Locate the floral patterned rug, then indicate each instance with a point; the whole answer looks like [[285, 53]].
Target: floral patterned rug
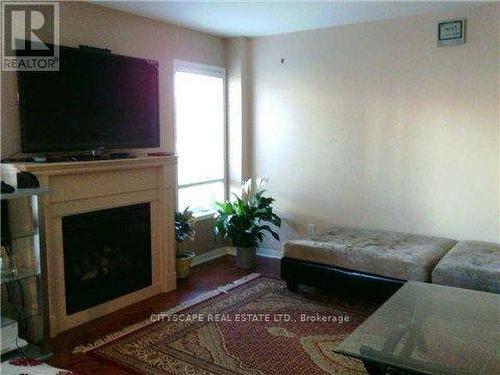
[[250, 327]]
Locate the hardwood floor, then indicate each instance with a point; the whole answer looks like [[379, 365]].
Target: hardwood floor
[[204, 277]]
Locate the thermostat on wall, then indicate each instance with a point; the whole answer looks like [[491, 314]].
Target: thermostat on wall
[[451, 33]]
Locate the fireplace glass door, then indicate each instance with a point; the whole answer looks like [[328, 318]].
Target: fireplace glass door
[[107, 254]]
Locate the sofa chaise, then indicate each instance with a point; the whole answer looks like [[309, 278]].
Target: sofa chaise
[[470, 265], [382, 261]]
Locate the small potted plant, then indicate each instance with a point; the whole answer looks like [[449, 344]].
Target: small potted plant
[[184, 229], [245, 220]]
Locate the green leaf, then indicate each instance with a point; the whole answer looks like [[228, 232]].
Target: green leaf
[[240, 219]]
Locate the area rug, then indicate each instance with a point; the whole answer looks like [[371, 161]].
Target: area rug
[[253, 326]]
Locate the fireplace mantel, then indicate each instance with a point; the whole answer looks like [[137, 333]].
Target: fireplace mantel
[[79, 187]]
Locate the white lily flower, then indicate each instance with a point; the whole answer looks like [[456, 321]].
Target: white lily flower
[[246, 189], [261, 183]]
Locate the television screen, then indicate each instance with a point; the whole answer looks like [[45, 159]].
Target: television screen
[[95, 100]]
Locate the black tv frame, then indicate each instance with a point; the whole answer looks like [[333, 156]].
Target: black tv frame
[[72, 148]]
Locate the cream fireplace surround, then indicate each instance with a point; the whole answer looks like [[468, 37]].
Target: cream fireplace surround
[[79, 187]]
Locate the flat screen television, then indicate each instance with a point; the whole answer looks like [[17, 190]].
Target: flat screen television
[[95, 100]]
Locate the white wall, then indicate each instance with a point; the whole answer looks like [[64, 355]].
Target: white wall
[[83, 23], [238, 116], [372, 125]]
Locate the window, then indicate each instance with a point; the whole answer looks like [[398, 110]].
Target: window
[[200, 136]]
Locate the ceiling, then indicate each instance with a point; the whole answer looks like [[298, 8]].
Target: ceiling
[[253, 18]]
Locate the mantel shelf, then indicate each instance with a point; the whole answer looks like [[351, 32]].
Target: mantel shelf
[[65, 167]]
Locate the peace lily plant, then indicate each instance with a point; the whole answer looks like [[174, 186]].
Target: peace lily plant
[[245, 220]]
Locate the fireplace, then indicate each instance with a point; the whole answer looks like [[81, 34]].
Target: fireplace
[[76, 188], [107, 254]]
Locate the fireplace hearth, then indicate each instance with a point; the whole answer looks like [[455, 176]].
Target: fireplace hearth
[[107, 254]]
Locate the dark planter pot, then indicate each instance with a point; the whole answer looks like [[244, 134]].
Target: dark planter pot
[[245, 257]]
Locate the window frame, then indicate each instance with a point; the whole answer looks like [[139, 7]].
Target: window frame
[[212, 71]]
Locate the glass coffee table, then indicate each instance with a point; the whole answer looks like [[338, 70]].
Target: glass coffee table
[[430, 329]]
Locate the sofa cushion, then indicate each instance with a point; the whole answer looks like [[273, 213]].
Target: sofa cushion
[[470, 265], [392, 254]]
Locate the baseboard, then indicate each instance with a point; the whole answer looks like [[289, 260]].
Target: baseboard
[[261, 251], [269, 253], [222, 251], [209, 255]]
